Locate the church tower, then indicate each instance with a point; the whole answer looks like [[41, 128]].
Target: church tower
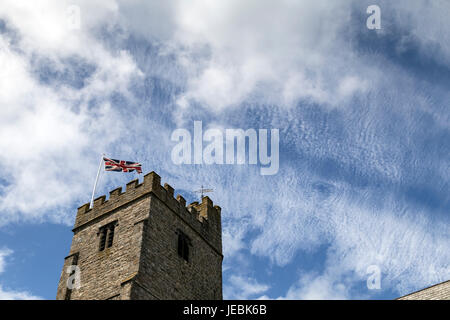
[[144, 244]]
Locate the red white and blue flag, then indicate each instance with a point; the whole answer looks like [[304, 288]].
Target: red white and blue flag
[[122, 165]]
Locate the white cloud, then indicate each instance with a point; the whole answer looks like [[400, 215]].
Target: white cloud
[[427, 23], [44, 26], [350, 85], [240, 287], [51, 134], [233, 235], [265, 47], [322, 287], [402, 241], [6, 294], [4, 252]]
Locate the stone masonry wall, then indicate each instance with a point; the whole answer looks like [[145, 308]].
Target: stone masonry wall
[[439, 291], [170, 276], [102, 272]]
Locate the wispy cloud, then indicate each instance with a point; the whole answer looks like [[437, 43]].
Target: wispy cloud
[[241, 287], [320, 287], [4, 252]]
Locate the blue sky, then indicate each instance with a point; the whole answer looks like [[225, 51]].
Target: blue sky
[[363, 117]]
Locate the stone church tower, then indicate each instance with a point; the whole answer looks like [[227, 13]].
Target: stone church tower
[[144, 244]]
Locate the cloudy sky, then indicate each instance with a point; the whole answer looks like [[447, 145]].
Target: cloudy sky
[[363, 117]]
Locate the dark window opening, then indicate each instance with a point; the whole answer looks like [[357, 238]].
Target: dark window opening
[[111, 235], [107, 236], [183, 246], [103, 233], [68, 294]]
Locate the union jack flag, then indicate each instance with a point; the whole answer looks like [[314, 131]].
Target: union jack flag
[[122, 165]]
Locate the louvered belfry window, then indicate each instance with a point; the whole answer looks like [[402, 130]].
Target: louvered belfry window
[[107, 235]]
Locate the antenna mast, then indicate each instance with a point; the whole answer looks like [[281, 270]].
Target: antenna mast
[[202, 191]]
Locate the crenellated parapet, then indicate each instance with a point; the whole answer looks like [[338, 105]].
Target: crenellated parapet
[[204, 217]]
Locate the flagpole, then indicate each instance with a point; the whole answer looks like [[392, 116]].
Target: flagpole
[[96, 180]]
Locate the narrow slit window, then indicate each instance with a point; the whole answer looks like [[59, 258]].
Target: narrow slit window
[[183, 246]]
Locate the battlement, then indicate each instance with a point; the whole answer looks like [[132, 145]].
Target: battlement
[[204, 217]]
